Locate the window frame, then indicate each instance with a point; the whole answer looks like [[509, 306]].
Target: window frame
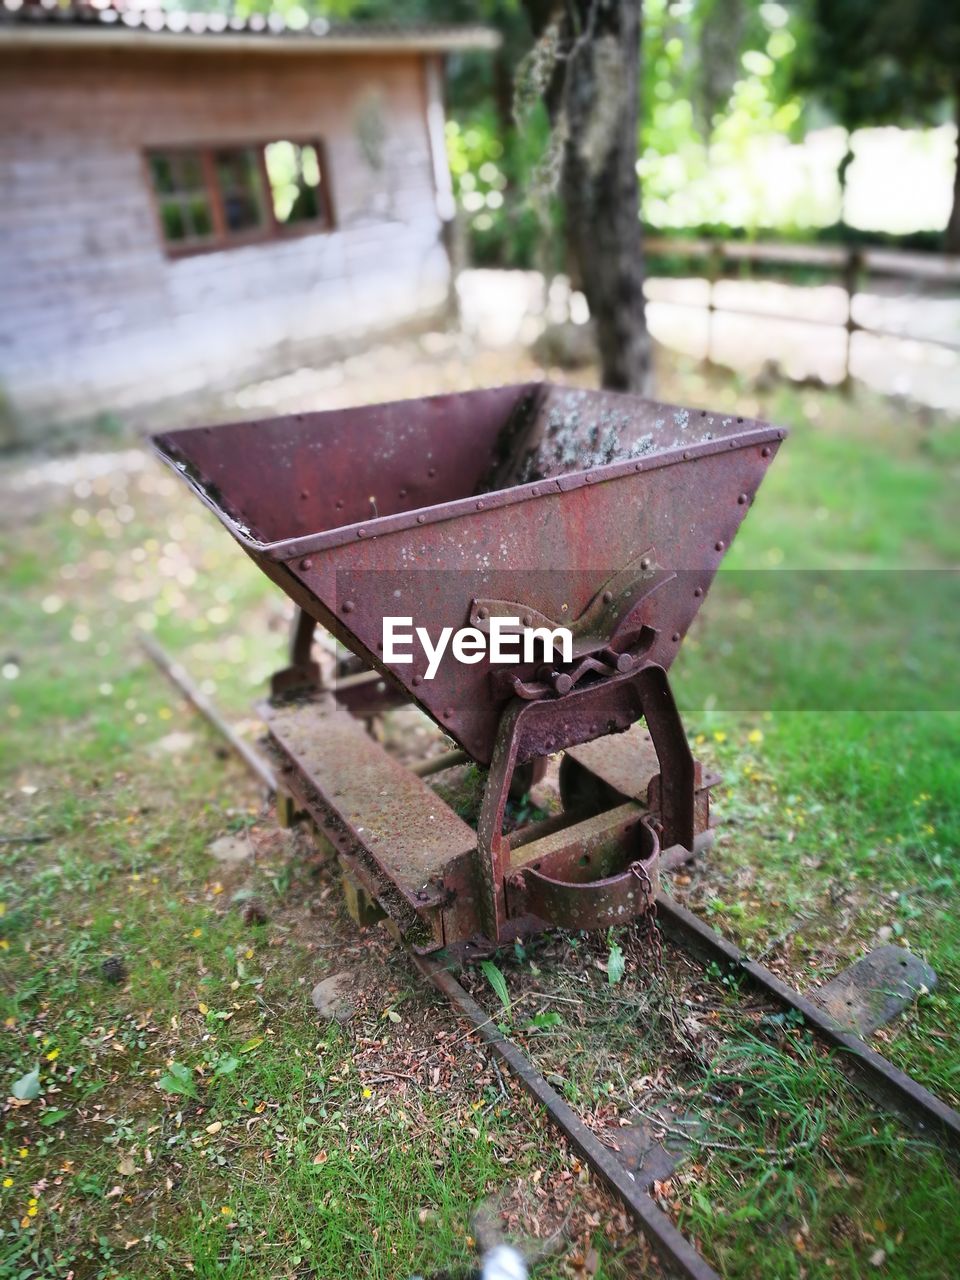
[[272, 231]]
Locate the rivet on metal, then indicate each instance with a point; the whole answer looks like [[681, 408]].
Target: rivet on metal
[[675, 637], [361, 532], [588, 479], [421, 519], [431, 472], [304, 493], [686, 454], [479, 506], [402, 493], [718, 546], [765, 451], [607, 597], [306, 564], [527, 620], [416, 679], [698, 591], [534, 491], [348, 606], [645, 562], [481, 614], [742, 500], [638, 467]]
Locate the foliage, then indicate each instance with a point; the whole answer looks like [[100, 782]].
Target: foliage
[[499, 983], [879, 61], [883, 61], [27, 1088], [715, 90], [616, 964], [491, 172], [179, 1079], [704, 124]]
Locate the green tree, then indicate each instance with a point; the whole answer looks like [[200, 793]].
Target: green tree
[[715, 79], [871, 62]]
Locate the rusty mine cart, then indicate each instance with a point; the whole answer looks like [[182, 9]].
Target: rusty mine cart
[[603, 513]]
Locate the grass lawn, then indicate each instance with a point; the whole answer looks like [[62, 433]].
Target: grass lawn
[[194, 1114]]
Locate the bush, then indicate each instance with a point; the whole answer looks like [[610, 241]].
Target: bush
[[494, 180]]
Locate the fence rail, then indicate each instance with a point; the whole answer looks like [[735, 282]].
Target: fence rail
[[851, 263], [863, 260]]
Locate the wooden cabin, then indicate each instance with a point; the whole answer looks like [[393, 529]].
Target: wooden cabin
[[191, 202]]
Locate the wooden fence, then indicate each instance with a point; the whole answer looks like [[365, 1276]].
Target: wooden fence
[[852, 264]]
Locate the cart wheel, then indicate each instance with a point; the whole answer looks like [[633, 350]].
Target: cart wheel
[[582, 791], [525, 777]]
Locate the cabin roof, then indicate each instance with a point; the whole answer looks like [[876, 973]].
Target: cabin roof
[[145, 24]]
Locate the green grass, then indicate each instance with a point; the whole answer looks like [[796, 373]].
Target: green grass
[[839, 821], [333, 1151], [842, 789], [788, 1171], [803, 1181]]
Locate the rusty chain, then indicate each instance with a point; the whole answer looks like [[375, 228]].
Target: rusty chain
[[644, 931]]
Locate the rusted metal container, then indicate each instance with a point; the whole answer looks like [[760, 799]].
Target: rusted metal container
[[603, 513]]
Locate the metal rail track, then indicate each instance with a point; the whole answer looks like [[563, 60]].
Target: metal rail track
[[879, 1079], [868, 1071], [670, 1244]]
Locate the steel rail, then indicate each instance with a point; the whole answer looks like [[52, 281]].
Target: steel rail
[[671, 1245], [176, 674], [874, 1075], [868, 1071], [879, 1079]]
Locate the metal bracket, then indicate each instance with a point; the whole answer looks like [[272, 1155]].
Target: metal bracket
[[530, 730], [303, 673], [580, 903]]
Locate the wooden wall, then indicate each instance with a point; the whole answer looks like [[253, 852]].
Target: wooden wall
[[96, 317]]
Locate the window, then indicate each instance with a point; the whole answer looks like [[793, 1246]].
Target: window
[[182, 197], [293, 170], [238, 179], [210, 198]]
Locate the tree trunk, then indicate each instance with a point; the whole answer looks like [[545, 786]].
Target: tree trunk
[[951, 237], [843, 169], [594, 97]]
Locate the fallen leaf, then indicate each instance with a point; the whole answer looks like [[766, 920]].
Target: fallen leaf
[[28, 1087]]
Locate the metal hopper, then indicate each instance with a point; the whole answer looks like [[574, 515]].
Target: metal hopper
[[600, 512]]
